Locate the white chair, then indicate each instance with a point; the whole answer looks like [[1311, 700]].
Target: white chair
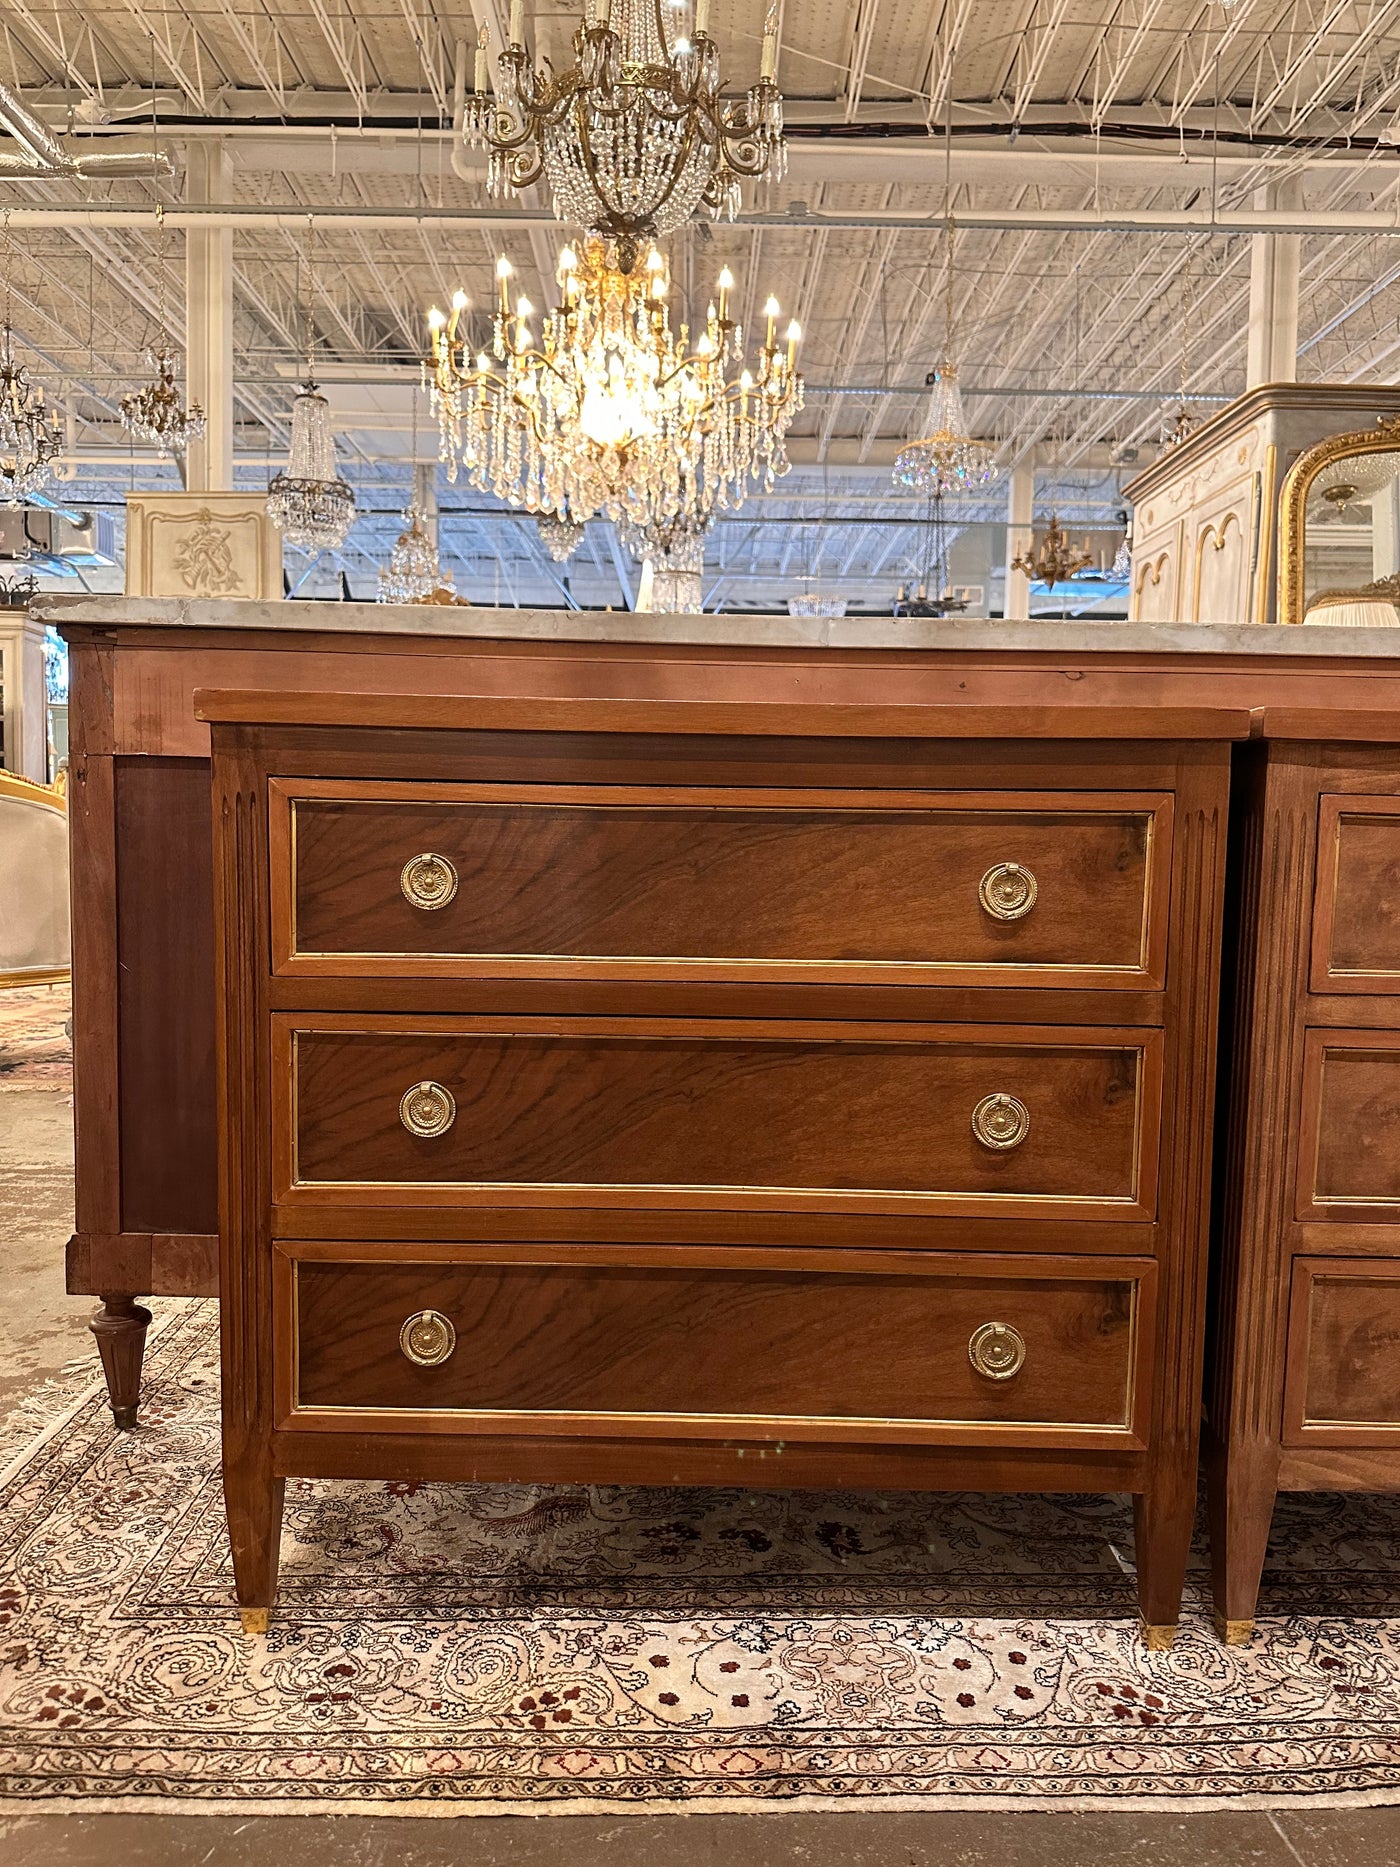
[[33, 882]]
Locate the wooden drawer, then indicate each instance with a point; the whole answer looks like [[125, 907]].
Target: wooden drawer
[[651, 1112], [1356, 917], [671, 1341], [630, 882], [1343, 1382], [1349, 1160]]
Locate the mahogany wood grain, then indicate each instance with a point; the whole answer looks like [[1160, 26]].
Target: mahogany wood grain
[[1344, 1349], [1356, 920], [430, 712], [165, 947], [778, 1349], [1349, 1160], [652, 1112], [646, 882]]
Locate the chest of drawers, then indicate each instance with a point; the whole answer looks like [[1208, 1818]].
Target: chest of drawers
[[1305, 1371], [622, 1092]]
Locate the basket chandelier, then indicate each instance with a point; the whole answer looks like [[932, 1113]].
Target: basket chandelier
[[308, 502], [610, 411], [945, 458], [413, 571], [633, 138]]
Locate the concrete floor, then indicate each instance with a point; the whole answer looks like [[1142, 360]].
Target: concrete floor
[[41, 1329]]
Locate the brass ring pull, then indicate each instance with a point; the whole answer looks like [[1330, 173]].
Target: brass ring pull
[[997, 1351], [427, 1110], [1001, 1121], [1008, 891], [428, 881], [427, 1338]]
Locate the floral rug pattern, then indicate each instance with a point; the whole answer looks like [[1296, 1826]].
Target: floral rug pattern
[[466, 1648]]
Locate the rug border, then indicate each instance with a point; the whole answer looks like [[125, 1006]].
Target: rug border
[[1274, 1802]]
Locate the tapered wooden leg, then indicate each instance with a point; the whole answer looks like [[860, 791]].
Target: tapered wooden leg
[[1241, 1485], [120, 1328], [253, 1494], [1163, 1518]]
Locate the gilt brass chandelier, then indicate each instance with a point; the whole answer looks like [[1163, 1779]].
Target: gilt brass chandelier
[[412, 572], [945, 458], [30, 436], [156, 414], [1054, 560], [609, 410], [633, 138], [308, 502]]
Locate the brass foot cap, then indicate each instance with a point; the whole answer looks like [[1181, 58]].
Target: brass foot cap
[[254, 1619], [1159, 1639], [1234, 1633], [124, 1418]]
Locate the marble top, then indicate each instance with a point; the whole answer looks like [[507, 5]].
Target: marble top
[[779, 631]]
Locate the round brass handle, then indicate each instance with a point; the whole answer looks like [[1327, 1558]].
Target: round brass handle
[[1008, 891], [427, 1338], [997, 1351], [427, 1109], [428, 881], [1001, 1121]]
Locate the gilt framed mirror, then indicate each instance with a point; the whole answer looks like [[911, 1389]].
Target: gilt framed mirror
[[1339, 556]]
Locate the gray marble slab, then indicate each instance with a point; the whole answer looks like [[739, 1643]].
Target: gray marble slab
[[562, 625]]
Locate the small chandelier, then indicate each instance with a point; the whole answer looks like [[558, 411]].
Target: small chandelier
[[946, 459], [610, 412], [934, 595], [155, 413], [633, 139], [30, 437], [560, 537], [412, 572], [1055, 560], [309, 503]]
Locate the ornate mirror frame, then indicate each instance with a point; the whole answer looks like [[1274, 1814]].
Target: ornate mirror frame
[[1382, 439]]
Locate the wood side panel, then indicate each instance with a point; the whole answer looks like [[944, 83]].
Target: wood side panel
[[1356, 921], [165, 944], [646, 882], [92, 842], [1349, 1161], [777, 1349], [1344, 1349], [650, 1112]]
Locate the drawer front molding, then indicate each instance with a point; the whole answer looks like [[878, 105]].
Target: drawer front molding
[[1349, 1160], [373, 879], [1342, 1385], [957, 1119], [712, 1343], [1356, 913]]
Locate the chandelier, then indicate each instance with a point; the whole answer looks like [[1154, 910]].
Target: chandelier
[[156, 414], [610, 411], [30, 437], [816, 603], [309, 503], [934, 595], [633, 138], [946, 459], [560, 537], [412, 572], [1055, 560]]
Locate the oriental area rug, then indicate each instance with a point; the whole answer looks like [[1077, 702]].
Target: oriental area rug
[[460, 1649]]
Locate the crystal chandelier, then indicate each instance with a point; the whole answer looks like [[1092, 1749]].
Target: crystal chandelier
[[610, 412], [30, 437], [946, 459], [309, 503], [633, 138], [156, 414], [560, 537], [1055, 560], [412, 572], [815, 603]]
